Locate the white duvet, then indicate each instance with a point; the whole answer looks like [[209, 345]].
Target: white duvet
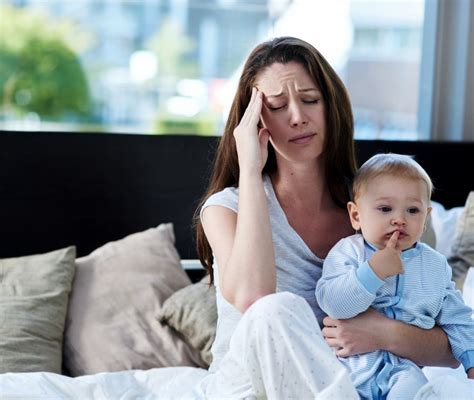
[[183, 382], [175, 383], [158, 383]]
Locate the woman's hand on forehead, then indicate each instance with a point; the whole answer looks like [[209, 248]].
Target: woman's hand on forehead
[[251, 141]]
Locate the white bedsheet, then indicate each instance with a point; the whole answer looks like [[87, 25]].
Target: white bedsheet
[[182, 382], [174, 383], [158, 383]]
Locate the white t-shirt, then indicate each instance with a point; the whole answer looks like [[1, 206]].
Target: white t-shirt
[[298, 268]]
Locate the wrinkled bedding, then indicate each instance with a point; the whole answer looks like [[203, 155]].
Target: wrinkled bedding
[[158, 383], [176, 383], [183, 382]]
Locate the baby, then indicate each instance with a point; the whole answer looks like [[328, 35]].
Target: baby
[[386, 267]]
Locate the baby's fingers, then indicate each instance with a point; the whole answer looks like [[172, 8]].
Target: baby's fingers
[[392, 242]]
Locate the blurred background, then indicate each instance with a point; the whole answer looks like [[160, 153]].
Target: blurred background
[[171, 66]]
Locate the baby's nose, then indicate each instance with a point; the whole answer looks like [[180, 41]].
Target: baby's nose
[[398, 221]]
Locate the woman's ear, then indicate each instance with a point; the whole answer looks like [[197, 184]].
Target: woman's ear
[[353, 215]]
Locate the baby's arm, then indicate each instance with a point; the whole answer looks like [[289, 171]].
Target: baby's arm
[[455, 319], [347, 286]]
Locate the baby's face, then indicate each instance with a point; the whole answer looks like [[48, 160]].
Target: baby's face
[[388, 204]]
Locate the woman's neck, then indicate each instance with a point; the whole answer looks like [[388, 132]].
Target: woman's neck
[[302, 186]]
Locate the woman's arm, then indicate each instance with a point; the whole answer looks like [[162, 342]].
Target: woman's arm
[[242, 244], [371, 331]]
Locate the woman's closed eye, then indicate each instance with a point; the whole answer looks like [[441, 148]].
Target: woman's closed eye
[[311, 101], [276, 108]]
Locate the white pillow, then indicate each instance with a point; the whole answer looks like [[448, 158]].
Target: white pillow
[[444, 224], [468, 289]]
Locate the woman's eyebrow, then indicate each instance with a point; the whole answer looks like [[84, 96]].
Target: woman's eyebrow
[[303, 90], [275, 95], [312, 89]]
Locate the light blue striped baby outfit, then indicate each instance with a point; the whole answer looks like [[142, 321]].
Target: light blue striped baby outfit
[[423, 295]]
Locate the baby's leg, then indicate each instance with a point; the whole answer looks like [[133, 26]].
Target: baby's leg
[[277, 352], [405, 383]]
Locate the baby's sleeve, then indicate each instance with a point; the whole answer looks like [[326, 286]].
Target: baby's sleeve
[[348, 284]]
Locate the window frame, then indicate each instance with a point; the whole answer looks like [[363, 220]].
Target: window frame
[[446, 98]]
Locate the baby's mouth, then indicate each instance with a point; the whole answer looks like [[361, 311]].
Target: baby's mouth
[[402, 234]]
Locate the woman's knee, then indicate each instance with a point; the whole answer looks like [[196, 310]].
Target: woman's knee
[[277, 305]]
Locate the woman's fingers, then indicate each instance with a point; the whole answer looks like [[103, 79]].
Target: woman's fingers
[[329, 332], [254, 109], [342, 352], [332, 342], [252, 142], [328, 321], [333, 339], [246, 116], [257, 107]]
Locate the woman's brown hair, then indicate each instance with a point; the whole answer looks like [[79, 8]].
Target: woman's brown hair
[[339, 154]]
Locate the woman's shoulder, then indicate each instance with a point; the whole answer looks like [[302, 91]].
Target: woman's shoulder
[[228, 197]]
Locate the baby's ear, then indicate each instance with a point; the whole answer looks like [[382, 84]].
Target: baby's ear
[[428, 212], [353, 215]]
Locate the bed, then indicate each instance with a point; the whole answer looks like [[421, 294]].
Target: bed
[[100, 283]]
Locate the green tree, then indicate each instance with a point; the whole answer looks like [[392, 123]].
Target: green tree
[[171, 47], [40, 71]]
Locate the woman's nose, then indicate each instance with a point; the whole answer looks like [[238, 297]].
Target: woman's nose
[[297, 116]]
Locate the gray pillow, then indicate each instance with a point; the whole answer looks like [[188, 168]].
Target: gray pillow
[[34, 293], [118, 289], [192, 312], [462, 251]]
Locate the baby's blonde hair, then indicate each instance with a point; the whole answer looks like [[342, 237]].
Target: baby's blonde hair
[[392, 164]]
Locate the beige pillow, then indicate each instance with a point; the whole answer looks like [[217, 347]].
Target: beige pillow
[[117, 291], [34, 293], [462, 251], [192, 312]]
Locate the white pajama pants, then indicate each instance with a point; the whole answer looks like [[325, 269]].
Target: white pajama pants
[[278, 352]]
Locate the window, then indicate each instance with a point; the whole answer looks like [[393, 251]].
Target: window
[[171, 66]]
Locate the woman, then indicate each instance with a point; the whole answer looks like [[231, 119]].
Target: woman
[[274, 208]]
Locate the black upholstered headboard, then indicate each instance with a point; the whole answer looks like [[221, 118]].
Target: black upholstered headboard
[[58, 189]]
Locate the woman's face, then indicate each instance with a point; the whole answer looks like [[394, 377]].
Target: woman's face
[[293, 111]]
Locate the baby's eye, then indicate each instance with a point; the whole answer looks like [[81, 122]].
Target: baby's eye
[[384, 209], [413, 210]]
